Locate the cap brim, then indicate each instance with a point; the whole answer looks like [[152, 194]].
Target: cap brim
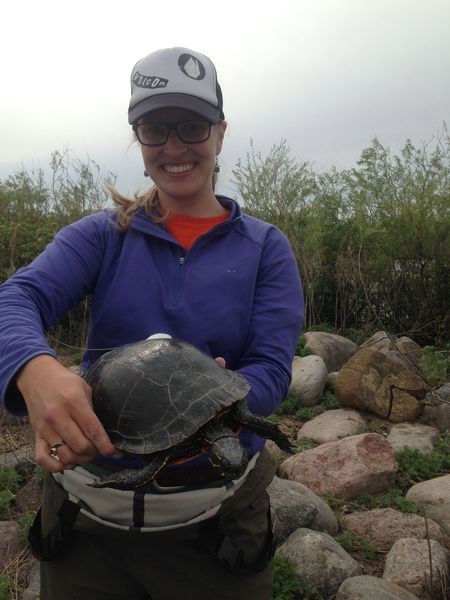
[[200, 107]]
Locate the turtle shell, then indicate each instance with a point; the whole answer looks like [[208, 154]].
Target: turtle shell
[[154, 394]]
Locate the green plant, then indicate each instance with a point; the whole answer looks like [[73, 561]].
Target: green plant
[[25, 522], [393, 498], [5, 587], [302, 348], [9, 479], [6, 497], [414, 466], [352, 542], [327, 402], [435, 366], [286, 585], [289, 406], [305, 444]]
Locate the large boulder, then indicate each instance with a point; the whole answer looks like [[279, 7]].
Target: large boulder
[[333, 425], [371, 381], [319, 560], [366, 587], [408, 565], [294, 505], [309, 378], [415, 436], [433, 497], [347, 468], [385, 526], [402, 349], [334, 349]]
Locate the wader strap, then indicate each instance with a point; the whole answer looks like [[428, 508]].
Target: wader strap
[[44, 548]]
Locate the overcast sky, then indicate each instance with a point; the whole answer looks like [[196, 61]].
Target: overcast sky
[[326, 75]]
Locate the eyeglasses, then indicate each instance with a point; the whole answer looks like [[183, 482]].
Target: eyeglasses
[[194, 131]]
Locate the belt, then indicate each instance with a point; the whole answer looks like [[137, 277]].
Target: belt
[[189, 477], [167, 477]]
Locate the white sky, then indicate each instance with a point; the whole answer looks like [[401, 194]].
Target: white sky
[[326, 75]]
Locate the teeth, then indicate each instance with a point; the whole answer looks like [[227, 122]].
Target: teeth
[[178, 168]]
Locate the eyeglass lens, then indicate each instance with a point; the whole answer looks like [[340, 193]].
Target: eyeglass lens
[[189, 132]]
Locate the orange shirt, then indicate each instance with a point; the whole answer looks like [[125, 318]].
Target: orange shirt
[[187, 229]]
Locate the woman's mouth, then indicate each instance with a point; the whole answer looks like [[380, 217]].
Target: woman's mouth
[[178, 168]]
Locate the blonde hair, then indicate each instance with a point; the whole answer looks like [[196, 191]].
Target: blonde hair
[[148, 200]]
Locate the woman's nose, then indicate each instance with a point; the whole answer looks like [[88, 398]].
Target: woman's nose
[[174, 145]]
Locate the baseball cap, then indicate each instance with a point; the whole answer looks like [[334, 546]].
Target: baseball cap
[[175, 78]]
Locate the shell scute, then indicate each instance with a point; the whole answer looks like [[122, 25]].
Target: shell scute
[[155, 394]]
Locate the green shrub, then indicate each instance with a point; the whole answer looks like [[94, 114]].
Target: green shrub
[[9, 479], [435, 366], [286, 585], [414, 466], [354, 543], [5, 587], [6, 497]]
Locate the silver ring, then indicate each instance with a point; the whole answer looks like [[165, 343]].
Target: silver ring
[[54, 450]]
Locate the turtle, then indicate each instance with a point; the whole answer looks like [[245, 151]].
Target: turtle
[[164, 400]]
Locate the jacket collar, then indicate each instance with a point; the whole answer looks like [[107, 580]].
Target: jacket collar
[[141, 222]]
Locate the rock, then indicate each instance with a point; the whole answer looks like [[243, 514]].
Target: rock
[[9, 542], [17, 457], [443, 417], [433, 496], [413, 435], [334, 349], [384, 526], [440, 395], [402, 349], [294, 506], [360, 463], [332, 425], [373, 382], [408, 565], [365, 587], [33, 590], [309, 377], [319, 560]]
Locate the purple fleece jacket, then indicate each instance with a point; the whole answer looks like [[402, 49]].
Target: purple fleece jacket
[[236, 293]]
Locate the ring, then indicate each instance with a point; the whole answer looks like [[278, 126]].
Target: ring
[[53, 450]]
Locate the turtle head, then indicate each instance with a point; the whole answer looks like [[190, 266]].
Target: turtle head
[[227, 455]]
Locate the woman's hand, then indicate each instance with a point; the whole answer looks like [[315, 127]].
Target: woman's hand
[[60, 410]]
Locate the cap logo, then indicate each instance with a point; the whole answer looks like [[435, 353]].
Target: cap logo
[[149, 81], [191, 66]]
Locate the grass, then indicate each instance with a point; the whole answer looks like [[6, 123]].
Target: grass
[[355, 544], [414, 466], [435, 365], [286, 582], [290, 406]]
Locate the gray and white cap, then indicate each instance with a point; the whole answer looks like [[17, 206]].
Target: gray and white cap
[[175, 78]]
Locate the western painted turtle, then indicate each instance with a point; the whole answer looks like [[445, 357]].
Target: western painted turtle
[[163, 399]]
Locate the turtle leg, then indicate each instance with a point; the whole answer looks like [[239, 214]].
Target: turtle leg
[[260, 425], [129, 479]]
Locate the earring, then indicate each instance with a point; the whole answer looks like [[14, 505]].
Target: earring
[[216, 165], [145, 174]]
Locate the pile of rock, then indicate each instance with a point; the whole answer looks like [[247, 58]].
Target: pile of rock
[[380, 378]]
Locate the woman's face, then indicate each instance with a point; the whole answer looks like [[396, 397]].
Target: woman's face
[[182, 172]]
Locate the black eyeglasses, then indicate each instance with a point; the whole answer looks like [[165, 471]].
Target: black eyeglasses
[[193, 131]]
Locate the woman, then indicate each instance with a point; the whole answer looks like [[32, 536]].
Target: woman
[[178, 260]]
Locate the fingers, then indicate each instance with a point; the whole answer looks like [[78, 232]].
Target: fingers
[[220, 361], [60, 409]]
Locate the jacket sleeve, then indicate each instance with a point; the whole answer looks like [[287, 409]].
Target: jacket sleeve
[[275, 326], [33, 299]]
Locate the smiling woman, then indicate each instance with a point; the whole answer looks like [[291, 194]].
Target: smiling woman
[[177, 259]]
